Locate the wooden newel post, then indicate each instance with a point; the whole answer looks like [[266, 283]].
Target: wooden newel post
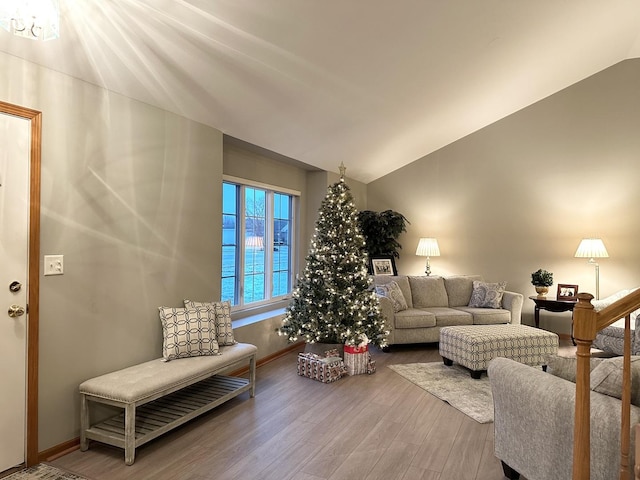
[[584, 332]]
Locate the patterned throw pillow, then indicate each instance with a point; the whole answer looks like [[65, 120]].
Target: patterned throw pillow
[[607, 379], [220, 314], [392, 291], [487, 295], [187, 333], [565, 367]]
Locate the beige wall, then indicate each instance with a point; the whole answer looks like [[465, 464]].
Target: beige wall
[[520, 194], [131, 198]]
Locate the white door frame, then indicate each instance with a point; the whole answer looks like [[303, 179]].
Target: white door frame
[[33, 287]]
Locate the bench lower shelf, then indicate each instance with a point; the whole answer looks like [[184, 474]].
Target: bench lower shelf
[[165, 413]]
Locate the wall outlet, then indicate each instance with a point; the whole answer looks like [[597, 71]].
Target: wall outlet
[[54, 264]]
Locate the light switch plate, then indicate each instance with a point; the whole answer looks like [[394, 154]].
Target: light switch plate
[[54, 264]]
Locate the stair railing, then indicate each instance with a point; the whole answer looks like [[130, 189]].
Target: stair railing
[[586, 324]]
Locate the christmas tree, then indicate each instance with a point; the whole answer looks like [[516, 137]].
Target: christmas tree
[[332, 301]]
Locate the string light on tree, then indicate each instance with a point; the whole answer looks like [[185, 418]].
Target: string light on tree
[[332, 301]]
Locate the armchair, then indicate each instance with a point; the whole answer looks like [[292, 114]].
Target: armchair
[[534, 417], [611, 338]]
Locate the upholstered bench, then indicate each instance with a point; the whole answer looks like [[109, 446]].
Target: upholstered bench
[[474, 346], [158, 396]]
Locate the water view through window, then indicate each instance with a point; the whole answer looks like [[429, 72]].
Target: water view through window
[[257, 248]]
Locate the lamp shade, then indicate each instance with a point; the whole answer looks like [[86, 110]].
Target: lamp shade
[[591, 248], [428, 247]]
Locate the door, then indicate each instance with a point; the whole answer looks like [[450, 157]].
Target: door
[[19, 252]]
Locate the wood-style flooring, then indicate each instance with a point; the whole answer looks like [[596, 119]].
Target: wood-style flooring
[[378, 426]]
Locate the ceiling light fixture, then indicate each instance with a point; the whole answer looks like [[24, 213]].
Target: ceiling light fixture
[[34, 19]]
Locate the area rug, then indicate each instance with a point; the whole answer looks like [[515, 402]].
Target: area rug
[[453, 385], [42, 471]]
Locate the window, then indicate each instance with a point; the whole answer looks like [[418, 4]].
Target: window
[[258, 247]]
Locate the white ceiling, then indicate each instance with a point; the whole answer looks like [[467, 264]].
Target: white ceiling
[[375, 84]]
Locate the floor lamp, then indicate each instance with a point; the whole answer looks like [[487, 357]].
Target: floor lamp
[[428, 247], [593, 248]]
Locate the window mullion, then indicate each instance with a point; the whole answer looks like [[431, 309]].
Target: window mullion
[[241, 245], [268, 246]]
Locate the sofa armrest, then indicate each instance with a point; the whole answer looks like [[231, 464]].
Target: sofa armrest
[[534, 417], [386, 309], [513, 301]]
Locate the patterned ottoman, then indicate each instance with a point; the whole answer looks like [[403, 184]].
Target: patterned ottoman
[[473, 346]]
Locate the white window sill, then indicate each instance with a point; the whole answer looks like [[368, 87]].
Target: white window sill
[[257, 317]]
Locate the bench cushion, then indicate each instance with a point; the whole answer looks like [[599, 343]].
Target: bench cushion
[[136, 383]]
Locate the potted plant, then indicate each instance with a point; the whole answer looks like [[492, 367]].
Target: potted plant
[[542, 280], [381, 231]]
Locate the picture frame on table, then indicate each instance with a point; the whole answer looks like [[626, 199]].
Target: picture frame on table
[[567, 292], [383, 265]]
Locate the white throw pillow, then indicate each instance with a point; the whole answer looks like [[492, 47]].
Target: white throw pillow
[[487, 295], [220, 313], [187, 333], [393, 292]]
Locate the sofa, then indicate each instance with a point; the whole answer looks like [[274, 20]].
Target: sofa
[[611, 339], [415, 308], [534, 417]]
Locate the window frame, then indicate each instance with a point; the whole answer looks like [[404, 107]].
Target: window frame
[[270, 190]]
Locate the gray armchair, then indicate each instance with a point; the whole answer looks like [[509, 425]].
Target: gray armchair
[[534, 417], [611, 338]]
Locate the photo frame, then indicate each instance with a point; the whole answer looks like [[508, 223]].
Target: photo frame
[[567, 292], [383, 265]]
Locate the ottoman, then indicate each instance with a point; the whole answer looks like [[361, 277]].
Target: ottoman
[[474, 346]]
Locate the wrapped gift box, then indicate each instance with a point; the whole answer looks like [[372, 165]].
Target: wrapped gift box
[[358, 360], [324, 369]]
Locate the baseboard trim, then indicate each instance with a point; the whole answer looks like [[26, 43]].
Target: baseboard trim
[[58, 451], [69, 446]]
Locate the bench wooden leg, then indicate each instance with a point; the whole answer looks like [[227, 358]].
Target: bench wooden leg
[[84, 422], [129, 434], [252, 375]]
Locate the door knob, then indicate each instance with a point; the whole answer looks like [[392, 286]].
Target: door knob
[[16, 311]]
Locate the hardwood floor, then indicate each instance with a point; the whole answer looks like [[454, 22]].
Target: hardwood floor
[[362, 427]]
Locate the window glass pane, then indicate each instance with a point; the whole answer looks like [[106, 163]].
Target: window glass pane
[[228, 289], [254, 244], [229, 198], [281, 279], [253, 288], [229, 241]]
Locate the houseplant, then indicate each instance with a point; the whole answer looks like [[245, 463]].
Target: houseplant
[[542, 280], [381, 231]]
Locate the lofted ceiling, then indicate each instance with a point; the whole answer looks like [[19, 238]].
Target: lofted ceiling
[[375, 84]]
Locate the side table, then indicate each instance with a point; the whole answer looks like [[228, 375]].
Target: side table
[[552, 304]]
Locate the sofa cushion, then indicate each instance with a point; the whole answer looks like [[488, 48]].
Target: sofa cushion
[[392, 291], [487, 316], [487, 295], [447, 317], [459, 288], [414, 318], [565, 367], [428, 291], [401, 280], [606, 378]]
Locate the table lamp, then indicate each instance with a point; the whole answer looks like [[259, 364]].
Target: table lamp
[[428, 247], [592, 248]]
